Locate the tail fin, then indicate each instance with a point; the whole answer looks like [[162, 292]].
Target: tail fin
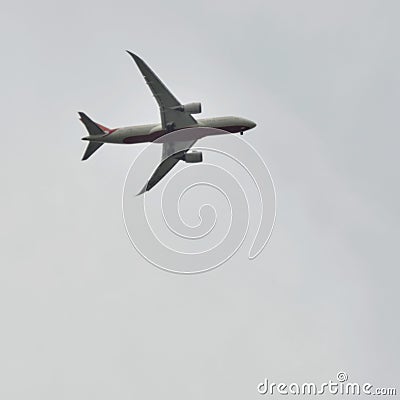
[[94, 130]]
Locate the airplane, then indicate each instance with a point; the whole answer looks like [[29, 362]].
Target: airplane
[[175, 117]]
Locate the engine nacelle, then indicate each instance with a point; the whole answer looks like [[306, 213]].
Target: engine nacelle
[[190, 108], [193, 157]]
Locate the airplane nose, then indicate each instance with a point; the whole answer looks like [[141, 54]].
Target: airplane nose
[[252, 124]]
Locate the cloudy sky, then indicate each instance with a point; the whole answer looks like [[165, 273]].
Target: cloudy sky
[[83, 316]]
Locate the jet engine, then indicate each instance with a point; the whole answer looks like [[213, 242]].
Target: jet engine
[[190, 108], [193, 157]]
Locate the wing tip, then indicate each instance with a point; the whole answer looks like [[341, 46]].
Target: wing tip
[[133, 55], [144, 190]]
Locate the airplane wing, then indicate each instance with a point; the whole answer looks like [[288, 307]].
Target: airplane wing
[[171, 118], [172, 153], [176, 147]]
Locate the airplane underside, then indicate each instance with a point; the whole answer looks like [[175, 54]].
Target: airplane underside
[[178, 130], [158, 136]]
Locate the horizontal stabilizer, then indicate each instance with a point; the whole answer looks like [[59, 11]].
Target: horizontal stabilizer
[[90, 149]]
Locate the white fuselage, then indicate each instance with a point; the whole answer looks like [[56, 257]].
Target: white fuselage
[[152, 132]]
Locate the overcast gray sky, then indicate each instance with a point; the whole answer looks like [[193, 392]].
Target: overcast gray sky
[[83, 316]]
